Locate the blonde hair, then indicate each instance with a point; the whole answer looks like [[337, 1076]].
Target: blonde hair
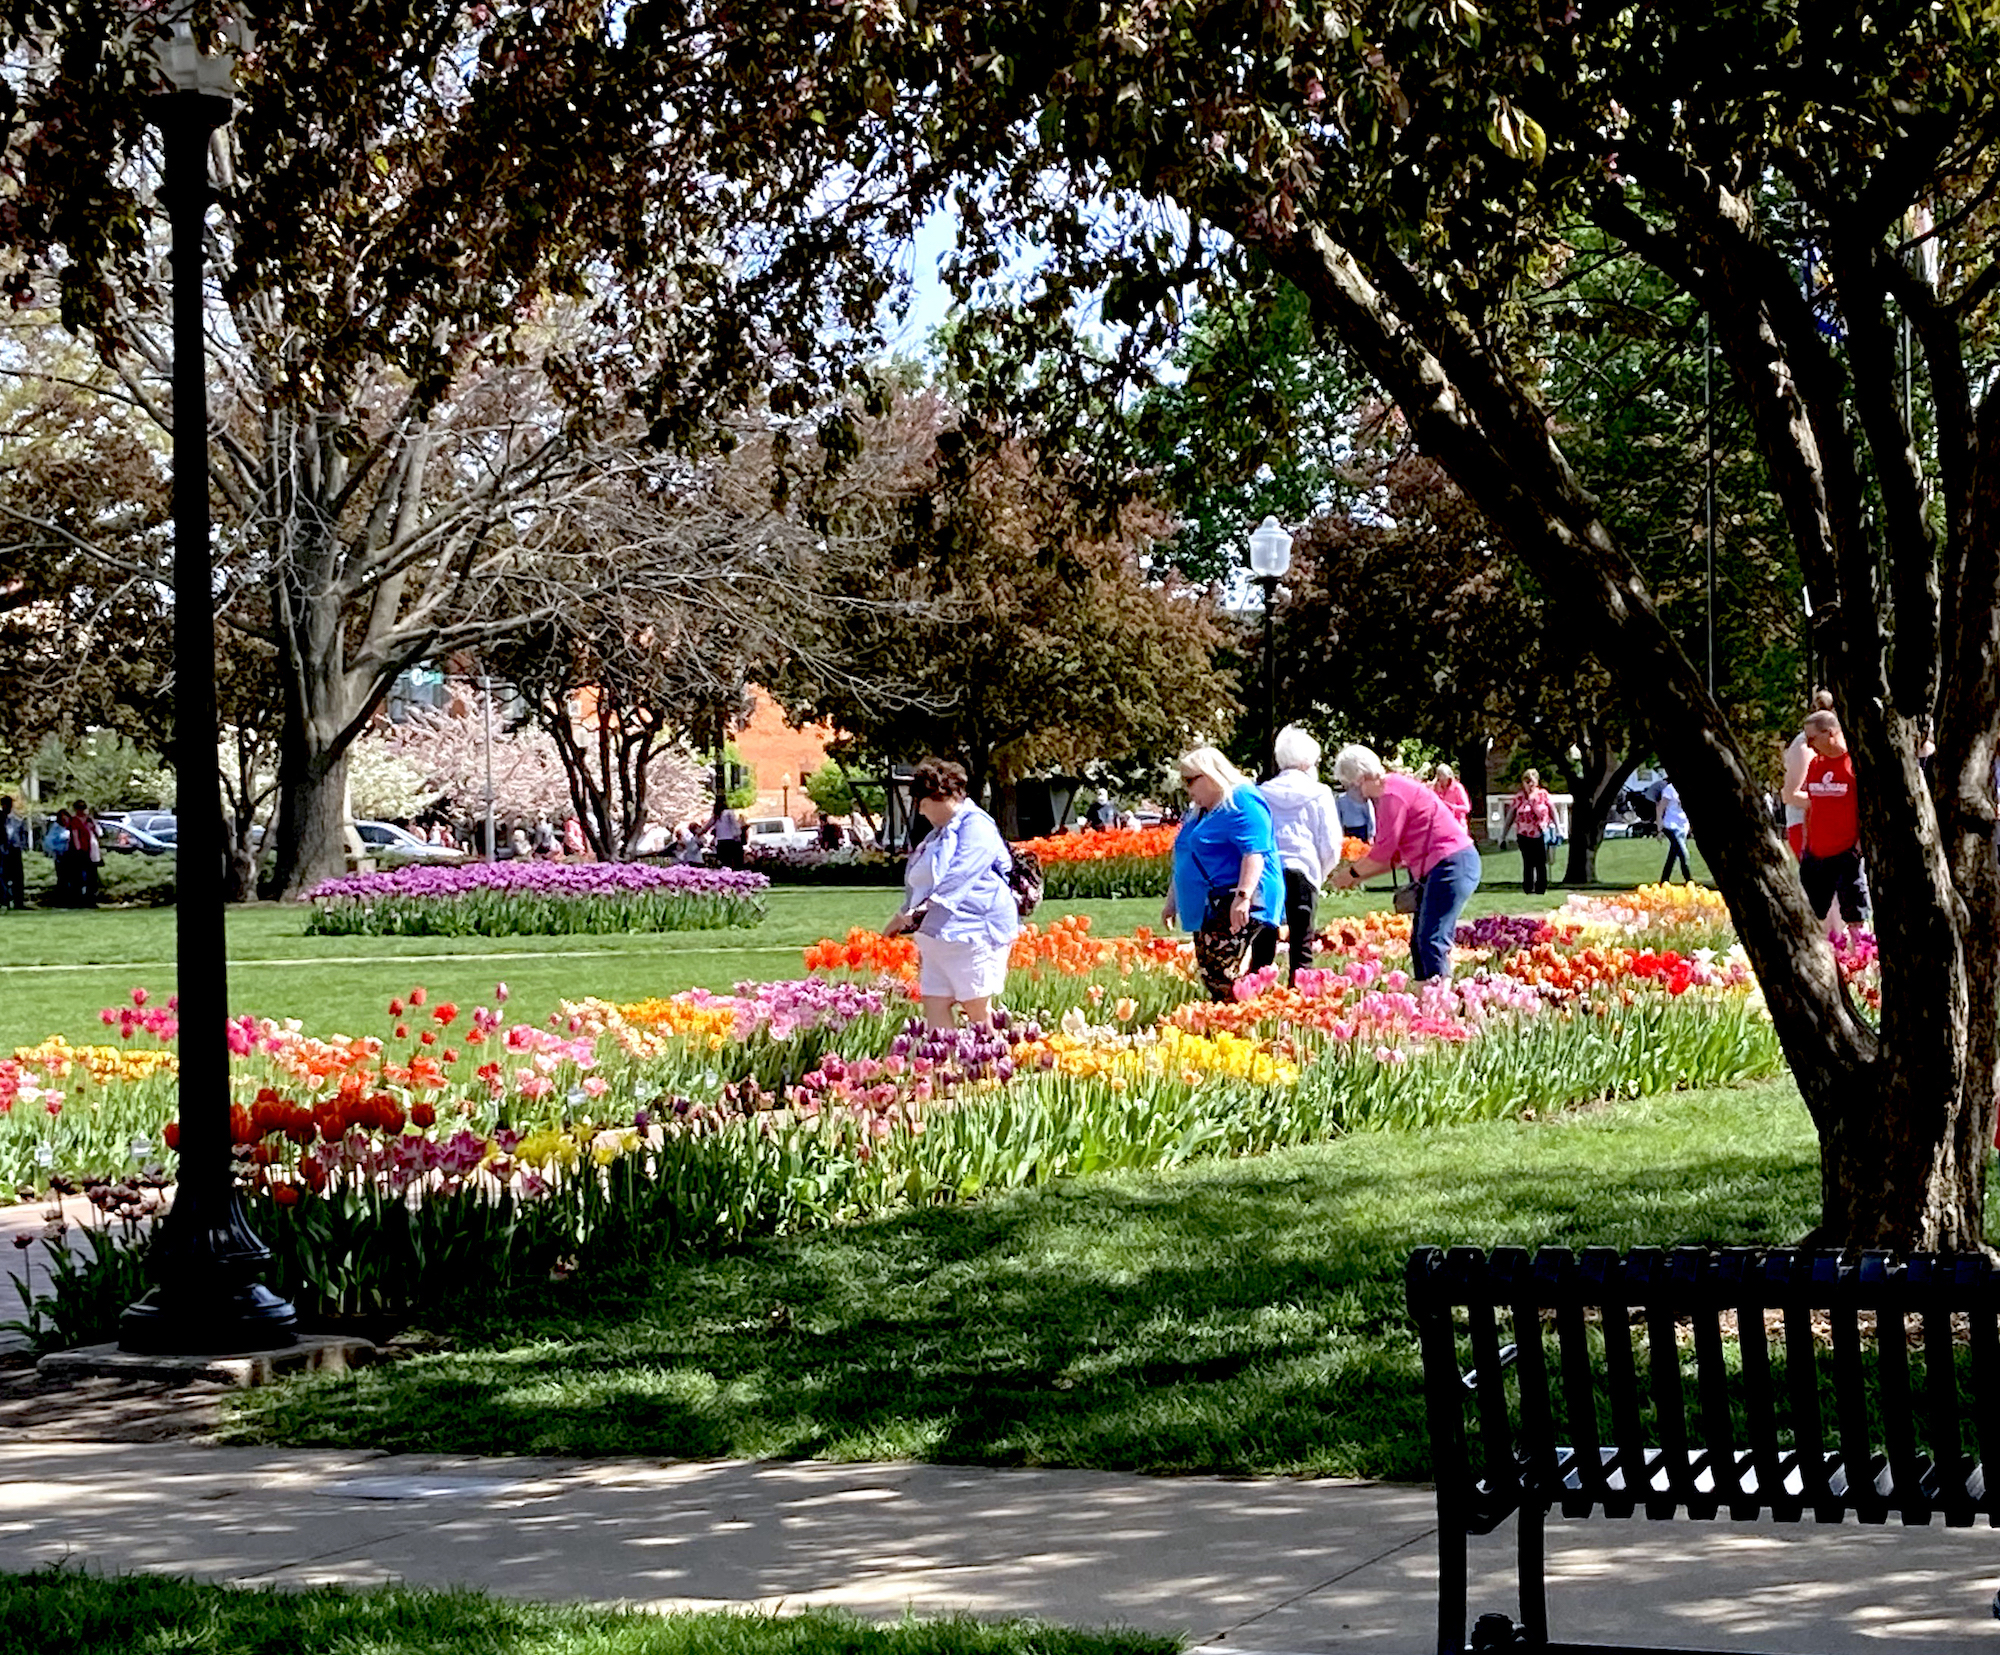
[[1209, 762], [1355, 764]]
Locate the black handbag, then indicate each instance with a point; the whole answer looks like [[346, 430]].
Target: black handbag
[[1408, 898]]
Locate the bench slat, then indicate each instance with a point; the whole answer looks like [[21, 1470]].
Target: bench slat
[[1931, 1282], [1909, 1482], [1512, 1266], [1671, 1483], [1604, 1273], [1983, 1319], [1718, 1431], [1556, 1270], [1799, 1279], [1861, 1488]]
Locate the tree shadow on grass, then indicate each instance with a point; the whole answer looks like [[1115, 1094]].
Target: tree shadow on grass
[[1230, 1317]]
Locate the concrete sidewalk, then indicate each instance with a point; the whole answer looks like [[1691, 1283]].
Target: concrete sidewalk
[[1266, 1565]]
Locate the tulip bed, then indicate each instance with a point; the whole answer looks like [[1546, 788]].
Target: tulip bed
[[1115, 862], [456, 1147], [506, 899]]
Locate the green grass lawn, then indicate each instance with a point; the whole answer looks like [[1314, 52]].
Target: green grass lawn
[[58, 967], [80, 1614], [1235, 1316]]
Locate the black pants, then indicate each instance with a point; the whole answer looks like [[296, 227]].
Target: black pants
[[1534, 864], [13, 880], [729, 853], [1301, 909], [1219, 953], [1677, 851]]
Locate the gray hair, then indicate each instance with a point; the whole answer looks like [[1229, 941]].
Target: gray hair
[[1209, 762], [1294, 749], [1355, 764]]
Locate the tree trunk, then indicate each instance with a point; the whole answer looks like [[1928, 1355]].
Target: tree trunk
[[1596, 792], [1471, 757], [312, 818]]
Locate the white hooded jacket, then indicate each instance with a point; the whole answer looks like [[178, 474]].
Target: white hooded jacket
[[1305, 822]]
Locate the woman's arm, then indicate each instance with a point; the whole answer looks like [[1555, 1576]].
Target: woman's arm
[[1249, 874]]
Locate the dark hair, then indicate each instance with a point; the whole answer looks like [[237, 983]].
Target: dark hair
[[937, 779]]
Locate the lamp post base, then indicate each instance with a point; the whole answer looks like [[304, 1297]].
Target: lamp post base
[[208, 1318]]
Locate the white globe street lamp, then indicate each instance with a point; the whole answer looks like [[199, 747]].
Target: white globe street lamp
[[1270, 557]]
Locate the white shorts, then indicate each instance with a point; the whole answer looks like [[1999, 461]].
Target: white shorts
[[960, 970]]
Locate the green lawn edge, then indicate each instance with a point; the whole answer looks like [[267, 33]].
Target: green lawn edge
[[1234, 1317], [84, 1614]]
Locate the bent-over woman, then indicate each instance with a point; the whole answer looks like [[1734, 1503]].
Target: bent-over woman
[[957, 900], [1226, 887], [1413, 829]]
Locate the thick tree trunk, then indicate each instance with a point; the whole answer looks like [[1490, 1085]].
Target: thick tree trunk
[[1600, 782], [1471, 757], [312, 818]]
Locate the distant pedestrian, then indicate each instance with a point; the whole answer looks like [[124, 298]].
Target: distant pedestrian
[[1534, 815], [1357, 815], [1797, 756], [55, 846], [13, 848], [1674, 824], [1452, 791], [726, 830], [1306, 826], [1103, 814], [1830, 868], [957, 900], [1415, 831], [86, 849]]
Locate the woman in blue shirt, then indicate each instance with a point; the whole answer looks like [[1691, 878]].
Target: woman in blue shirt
[[1227, 887], [957, 900]]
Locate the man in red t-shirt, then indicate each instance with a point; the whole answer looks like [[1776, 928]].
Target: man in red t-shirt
[[1830, 869]]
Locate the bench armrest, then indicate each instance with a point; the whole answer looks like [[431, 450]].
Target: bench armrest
[[1470, 1378]]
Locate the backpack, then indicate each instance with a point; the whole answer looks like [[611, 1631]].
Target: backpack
[[56, 841], [1024, 879]]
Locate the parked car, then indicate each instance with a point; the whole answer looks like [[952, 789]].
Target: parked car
[[777, 833], [159, 823], [123, 836], [388, 843]]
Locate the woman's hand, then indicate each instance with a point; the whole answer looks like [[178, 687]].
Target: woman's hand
[[898, 924], [1169, 914], [1344, 877], [1239, 910]]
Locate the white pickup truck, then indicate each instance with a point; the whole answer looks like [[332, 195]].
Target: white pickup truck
[[777, 833]]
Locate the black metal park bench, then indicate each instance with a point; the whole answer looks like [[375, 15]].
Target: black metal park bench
[[1736, 1383]]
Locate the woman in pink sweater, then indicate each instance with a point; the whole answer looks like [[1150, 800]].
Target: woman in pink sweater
[[1414, 830]]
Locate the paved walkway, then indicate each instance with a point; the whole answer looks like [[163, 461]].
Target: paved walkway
[[1267, 1566]]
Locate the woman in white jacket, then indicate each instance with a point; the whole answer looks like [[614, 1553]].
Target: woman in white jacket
[[1307, 826]]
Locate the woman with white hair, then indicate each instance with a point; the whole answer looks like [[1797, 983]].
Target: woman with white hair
[[1306, 826], [1413, 829], [1226, 886]]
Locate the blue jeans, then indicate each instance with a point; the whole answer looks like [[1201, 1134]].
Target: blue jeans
[[1447, 889]]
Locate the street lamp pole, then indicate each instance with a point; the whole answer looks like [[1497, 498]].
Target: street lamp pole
[[206, 1258], [1270, 557]]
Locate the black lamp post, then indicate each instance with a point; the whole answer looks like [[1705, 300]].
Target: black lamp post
[[1270, 557], [206, 1258]]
